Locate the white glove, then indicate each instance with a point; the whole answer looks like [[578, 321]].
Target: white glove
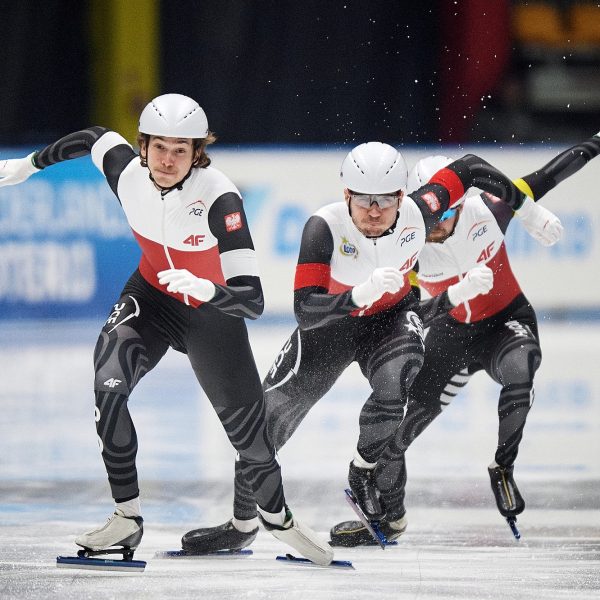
[[16, 170], [183, 282], [541, 224], [478, 280], [382, 280]]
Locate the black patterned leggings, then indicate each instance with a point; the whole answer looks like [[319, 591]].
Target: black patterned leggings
[[507, 347], [389, 350], [143, 324]]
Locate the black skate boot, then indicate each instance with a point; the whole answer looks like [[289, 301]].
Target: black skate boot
[[509, 500], [366, 494], [350, 534], [213, 539]]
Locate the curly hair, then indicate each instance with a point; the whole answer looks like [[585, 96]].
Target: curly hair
[[202, 159]]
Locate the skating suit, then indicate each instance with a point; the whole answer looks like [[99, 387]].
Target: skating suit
[[200, 226], [495, 331], [385, 339]]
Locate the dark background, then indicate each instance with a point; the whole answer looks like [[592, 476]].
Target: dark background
[[325, 71]]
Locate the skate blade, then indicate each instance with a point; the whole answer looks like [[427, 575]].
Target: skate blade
[[300, 561], [218, 553], [369, 544], [100, 564], [512, 523], [371, 526]]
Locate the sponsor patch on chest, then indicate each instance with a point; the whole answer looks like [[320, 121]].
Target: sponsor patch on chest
[[348, 249], [196, 208]]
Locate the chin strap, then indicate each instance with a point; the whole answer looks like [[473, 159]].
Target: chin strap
[[386, 232], [165, 190]]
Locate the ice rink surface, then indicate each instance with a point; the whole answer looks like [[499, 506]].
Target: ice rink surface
[[53, 486]]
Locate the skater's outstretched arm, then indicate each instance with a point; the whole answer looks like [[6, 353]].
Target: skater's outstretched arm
[[74, 145], [541, 181]]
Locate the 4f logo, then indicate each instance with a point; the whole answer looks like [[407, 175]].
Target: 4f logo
[[409, 263], [112, 382], [194, 240], [486, 254]]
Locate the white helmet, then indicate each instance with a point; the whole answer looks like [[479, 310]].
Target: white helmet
[[174, 115], [424, 170], [374, 168]]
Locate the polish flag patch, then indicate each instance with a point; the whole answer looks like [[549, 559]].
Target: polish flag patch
[[432, 201], [233, 221]]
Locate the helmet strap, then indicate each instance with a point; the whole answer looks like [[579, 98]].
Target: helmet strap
[[165, 190]]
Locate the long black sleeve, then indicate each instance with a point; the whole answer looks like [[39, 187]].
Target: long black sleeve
[[71, 146], [313, 305], [540, 182], [243, 295]]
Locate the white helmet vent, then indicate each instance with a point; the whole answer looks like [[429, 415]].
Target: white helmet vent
[[374, 168], [174, 115]]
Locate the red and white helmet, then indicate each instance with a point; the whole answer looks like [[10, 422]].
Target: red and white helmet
[[374, 168], [174, 115]]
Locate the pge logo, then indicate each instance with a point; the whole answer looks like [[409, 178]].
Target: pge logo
[[415, 324], [348, 249], [275, 366], [196, 210], [479, 232], [478, 229], [406, 236], [519, 329]]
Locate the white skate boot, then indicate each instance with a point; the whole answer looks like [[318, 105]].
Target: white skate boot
[[302, 538], [117, 531]]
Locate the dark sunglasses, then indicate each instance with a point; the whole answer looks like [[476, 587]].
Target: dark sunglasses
[[367, 200]]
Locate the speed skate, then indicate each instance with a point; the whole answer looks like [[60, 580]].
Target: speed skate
[[119, 535], [241, 553], [86, 559], [299, 560], [371, 526]]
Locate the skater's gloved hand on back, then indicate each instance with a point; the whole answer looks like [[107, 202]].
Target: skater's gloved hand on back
[[382, 280], [184, 282], [478, 280], [16, 170], [541, 224]]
